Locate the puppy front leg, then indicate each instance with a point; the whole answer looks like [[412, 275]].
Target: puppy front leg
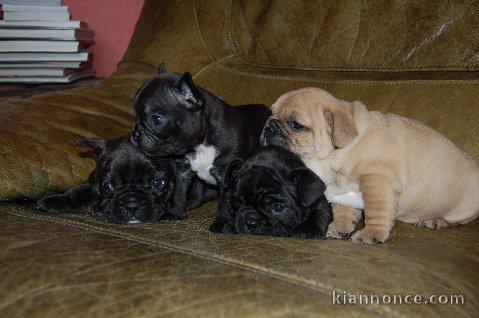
[[216, 174], [78, 198], [379, 210], [223, 215], [223, 211], [345, 219], [180, 202]]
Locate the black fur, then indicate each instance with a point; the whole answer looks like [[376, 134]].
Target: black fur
[[132, 196], [272, 176], [193, 116]]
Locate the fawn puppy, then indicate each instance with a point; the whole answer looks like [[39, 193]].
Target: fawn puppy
[[392, 167]]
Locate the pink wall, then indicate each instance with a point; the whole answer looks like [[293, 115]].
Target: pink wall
[[113, 22]]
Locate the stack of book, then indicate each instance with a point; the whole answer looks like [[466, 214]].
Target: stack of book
[[40, 44]]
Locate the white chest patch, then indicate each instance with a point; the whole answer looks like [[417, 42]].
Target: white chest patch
[[350, 198], [342, 195], [338, 190], [201, 161]]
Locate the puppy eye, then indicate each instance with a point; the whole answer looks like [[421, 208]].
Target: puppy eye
[[297, 126], [279, 208], [158, 183], [107, 186], [158, 119]]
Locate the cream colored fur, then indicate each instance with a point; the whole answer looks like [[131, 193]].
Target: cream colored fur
[[403, 169]]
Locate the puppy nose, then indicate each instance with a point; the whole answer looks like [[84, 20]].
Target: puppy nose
[[252, 219], [136, 133], [271, 129], [272, 126], [251, 222], [131, 203]]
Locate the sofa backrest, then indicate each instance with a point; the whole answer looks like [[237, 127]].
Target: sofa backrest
[[371, 35]]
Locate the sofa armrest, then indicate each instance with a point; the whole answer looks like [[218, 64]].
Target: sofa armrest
[[37, 134]]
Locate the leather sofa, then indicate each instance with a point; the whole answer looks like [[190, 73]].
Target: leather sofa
[[419, 59]]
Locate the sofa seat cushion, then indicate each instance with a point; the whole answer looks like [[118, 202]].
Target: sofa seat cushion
[[66, 268], [64, 263]]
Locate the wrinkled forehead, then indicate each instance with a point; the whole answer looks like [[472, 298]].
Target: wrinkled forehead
[[258, 181], [134, 166], [302, 102], [153, 91]]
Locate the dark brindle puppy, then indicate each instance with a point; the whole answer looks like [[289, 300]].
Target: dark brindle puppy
[[129, 187], [174, 116], [272, 193]]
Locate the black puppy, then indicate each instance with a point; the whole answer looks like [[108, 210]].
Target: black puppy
[[174, 116], [129, 187], [272, 193]]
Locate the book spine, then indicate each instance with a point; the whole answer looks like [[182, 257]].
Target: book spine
[[34, 8], [20, 16]]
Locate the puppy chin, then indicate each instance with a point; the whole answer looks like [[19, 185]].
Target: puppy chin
[[299, 152], [111, 211], [154, 148], [262, 228], [147, 145], [151, 214], [121, 216]]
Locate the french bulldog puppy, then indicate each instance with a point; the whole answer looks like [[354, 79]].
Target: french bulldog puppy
[[272, 193], [176, 117], [129, 187], [392, 167]]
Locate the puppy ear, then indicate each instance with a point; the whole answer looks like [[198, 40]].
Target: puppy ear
[[97, 145], [162, 68], [342, 127], [317, 210], [310, 188], [190, 94], [316, 225]]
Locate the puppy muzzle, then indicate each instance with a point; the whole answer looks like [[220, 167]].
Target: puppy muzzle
[[254, 222], [272, 134], [132, 206], [135, 134], [153, 145]]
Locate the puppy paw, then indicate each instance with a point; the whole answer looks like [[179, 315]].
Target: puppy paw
[[222, 228], [434, 224], [54, 203], [344, 222], [371, 235], [341, 228]]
